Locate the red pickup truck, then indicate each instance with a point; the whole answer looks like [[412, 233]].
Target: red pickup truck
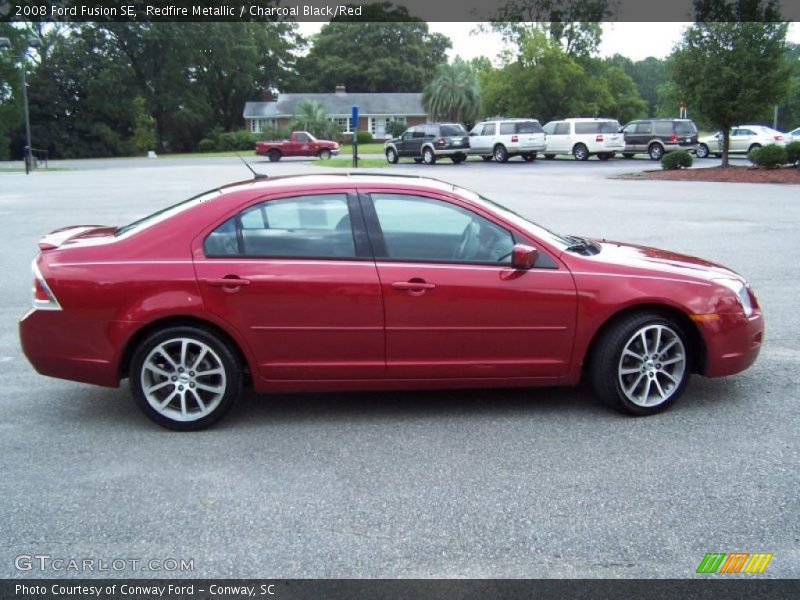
[[301, 143]]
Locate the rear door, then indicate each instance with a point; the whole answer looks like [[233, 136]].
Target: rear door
[[295, 277], [455, 309]]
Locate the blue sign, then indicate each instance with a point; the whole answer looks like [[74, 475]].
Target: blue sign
[[354, 118]]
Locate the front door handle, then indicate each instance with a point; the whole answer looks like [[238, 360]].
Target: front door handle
[[415, 286], [231, 281]]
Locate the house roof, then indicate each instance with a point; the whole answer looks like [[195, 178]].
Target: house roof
[[340, 104]]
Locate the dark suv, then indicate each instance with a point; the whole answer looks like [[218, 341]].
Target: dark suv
[[656, 137], [426, 143]]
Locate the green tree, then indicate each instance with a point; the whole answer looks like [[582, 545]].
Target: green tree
[[311, 116], [398, 56], [453, 94], [716, 57]]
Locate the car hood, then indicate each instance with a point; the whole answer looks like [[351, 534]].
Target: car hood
[[637, 258]]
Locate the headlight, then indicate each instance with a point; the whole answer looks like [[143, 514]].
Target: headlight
[[742, 294]]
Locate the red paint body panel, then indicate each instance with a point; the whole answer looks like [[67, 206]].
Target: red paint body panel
[[293, 147], [317, 325]]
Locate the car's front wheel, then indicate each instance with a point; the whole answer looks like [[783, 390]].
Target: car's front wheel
[[458, 158], [324, 154], [185, 377], [702, 151], [529, 156], [641, 364]]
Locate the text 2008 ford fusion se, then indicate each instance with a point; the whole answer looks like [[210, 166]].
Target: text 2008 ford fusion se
[[355, 282]]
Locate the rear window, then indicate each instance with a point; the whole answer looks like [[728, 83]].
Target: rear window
[[663, 127], [597, 127], [685, 128], [453, 130], [520, 127]]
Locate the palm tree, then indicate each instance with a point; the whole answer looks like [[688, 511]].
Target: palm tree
[[453, 95], [310, 116]]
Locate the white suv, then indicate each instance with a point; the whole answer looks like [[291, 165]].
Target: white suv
[[583, 138], [503, 138]]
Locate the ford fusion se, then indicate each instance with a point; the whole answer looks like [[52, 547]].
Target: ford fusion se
[[358, 282]]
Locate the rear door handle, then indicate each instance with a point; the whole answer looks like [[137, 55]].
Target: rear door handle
[[231, 281], [414, 287]]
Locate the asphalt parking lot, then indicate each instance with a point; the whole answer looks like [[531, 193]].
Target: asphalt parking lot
[[512, 483]]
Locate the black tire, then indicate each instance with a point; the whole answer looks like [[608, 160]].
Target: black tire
[[222, 354], [458, 158], [324, 154], [391, 156], [606, 363], [428, 156], [656, 151], [549, 156], [702, 151], [604, 155], [580, 152], [627, 155], [418, 159], [487, 158], [500, 153], [753, 147], [529, 156], [274, 155]]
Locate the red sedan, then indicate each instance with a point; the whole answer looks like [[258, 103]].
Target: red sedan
[[355, 282]]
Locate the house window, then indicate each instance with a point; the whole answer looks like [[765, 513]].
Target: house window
[[342, 124], [260, 125], [377, 125]]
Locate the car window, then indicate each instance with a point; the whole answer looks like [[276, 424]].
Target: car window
[[488, 129], [418, 228], [685, 128], [453, 130], [587, 127], [315, 226], [508, 128], [301, 137], [746, 132], [644, 128], [561, 129], [663, 127]]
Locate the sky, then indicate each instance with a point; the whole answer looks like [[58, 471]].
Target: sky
[[637, 41]]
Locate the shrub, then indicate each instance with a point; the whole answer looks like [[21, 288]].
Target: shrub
[[680, 159], [771, 156], [792, 153], [206, 145], [364, 137], [236, 140], [396, 128]]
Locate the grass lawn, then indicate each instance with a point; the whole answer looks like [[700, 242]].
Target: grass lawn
[[347, 163], [362, 149]]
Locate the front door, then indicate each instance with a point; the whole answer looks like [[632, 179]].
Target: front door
[[454, 307], [295, 277]]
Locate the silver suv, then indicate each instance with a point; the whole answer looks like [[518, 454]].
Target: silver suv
[[503, 138]]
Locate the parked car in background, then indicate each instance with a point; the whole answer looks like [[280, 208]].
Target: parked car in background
[[300, 143], [794, 135], [583, 138], [429, 142], [743, 138], [353, 282], [502, 139], [656, 137]]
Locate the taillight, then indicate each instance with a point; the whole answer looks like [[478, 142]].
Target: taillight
[[778, 138], [43, 297], [599, 137], [440, 142], [515, 138], [673, 137]]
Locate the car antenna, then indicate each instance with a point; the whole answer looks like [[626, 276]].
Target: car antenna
[[256, 176]]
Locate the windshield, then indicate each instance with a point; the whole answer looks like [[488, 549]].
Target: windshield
[[556, 239], [166, 213]]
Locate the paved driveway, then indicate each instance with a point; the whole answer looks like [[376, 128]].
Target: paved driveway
[[516, 483]]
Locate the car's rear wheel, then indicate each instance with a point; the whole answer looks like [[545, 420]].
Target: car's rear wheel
[[580, 152], [500, 153], [391, 156], [274, 155], [656, 151], [529, 156], [702, 151], [458, 158], [627, 155], [185, 377], [641, 364], [324, 154], [605, 155], [487, 158], [549, 156], [428, 156]]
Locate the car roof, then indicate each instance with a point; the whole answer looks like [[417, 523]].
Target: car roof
[[348, 178]]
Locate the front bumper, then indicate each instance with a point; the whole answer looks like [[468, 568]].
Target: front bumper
[[732, 342]]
